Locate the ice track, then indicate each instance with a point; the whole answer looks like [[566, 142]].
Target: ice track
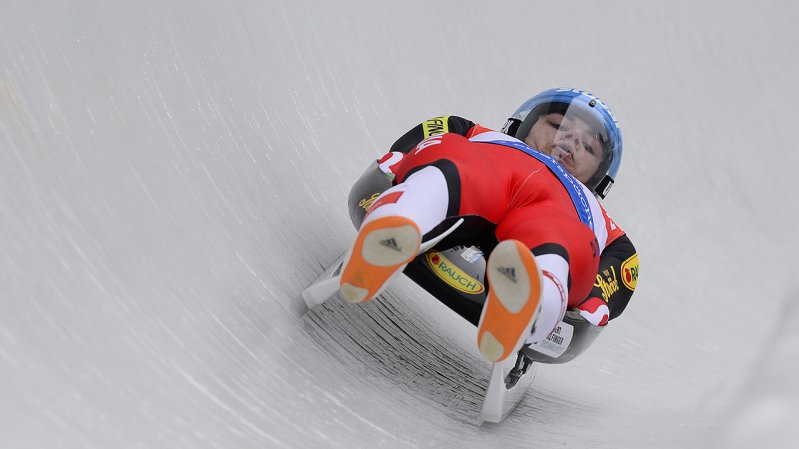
[[173, 173]]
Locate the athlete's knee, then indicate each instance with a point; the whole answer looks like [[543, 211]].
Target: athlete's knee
[[555, 249], [423, 198]]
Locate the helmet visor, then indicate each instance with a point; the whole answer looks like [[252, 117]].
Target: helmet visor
[[574, 135]]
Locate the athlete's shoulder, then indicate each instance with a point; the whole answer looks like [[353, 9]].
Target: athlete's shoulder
[[453, 124], [428, 128], [613, 229], [447, 124], [487, 135], [478, 129]]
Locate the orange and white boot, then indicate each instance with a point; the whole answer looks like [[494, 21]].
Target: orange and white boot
[[513, 300], [383, 247]]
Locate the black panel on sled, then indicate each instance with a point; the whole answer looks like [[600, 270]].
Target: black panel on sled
[[474, 231]]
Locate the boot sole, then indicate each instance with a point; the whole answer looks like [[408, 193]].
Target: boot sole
[[382, 248], [512, 303]]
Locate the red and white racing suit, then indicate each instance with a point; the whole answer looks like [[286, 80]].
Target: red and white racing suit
[[593, 269]]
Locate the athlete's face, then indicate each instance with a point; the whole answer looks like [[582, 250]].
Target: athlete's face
[[569, 140]]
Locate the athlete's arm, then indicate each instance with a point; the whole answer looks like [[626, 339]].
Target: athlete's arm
[[436, 125], [615, 282], [432, 127]]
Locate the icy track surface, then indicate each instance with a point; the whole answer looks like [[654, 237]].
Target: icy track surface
[[173, 173]]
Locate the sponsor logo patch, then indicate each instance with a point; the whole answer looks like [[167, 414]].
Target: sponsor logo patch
[[629, 272], [435, 126], [452, 275], [608, 282], [366, 202], [556, 342]]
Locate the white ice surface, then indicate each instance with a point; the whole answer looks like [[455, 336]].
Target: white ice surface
[[174, 172]]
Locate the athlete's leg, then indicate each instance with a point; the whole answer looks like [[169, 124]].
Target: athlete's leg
[[549, 238], [512, 301], [554, 295], [391, 233], [423, 198]]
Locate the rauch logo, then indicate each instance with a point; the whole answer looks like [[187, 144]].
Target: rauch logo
[[629, 272], [452, 275]]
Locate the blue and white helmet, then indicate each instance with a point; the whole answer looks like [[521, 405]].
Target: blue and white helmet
[[588, 108]]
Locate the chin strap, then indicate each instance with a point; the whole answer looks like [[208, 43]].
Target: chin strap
[[604, 186], [511, 126]]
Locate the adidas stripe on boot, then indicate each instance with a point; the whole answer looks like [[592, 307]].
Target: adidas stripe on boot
[[383, 247], [512, 303]]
